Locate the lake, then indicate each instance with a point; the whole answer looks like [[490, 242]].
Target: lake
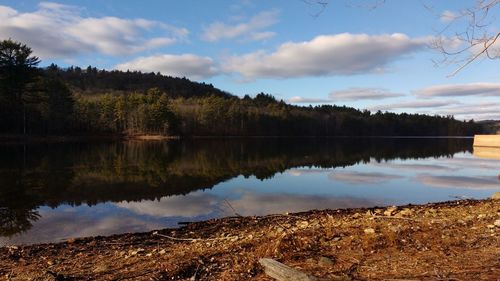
[[52, 192]]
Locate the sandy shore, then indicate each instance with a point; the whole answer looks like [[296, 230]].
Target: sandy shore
[[456, 240]]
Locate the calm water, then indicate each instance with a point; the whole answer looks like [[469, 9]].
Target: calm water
[[51, 192]]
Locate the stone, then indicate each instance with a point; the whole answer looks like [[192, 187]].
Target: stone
[[497, 223], [324, 261], [495, 196], [302, 224], [406, 212], [389, 211], [369, 231]]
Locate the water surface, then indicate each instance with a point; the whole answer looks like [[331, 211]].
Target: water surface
[[51, 192]]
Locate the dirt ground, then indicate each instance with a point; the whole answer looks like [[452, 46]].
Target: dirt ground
[[456, 240]]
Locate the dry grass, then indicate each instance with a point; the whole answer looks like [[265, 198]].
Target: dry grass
[[446, 241]]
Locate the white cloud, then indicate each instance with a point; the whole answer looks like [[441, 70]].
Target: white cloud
[[459, 182], [362, 94], [477, 111], [56, 30], [306, 171], [413, 104], [191, 205], [278, 203], [355, 177], [187, 65], [448, 16], [415, 167], [251, 30], [341, 54], [470, 89], [298, 99]]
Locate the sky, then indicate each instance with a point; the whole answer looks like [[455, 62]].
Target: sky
[[368, 54]]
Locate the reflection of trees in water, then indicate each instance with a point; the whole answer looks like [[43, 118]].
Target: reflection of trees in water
[[14, 221], [77, 173]]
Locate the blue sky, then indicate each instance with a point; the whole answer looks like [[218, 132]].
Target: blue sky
[[348, 54]]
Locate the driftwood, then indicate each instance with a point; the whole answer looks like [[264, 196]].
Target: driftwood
[[283, 272]]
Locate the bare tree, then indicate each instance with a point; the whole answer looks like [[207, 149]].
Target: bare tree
[[476, 36], [470, 34]]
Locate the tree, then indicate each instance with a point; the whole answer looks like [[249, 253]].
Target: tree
[[17, 70]]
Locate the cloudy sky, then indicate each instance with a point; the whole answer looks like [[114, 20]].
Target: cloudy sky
[[346, 54]]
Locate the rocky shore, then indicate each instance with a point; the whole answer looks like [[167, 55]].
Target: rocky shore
[[456, 240]]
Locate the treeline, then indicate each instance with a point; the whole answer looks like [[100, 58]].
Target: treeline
[[92, 80], [55, 101]]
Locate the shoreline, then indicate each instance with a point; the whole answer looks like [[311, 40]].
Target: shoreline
[[15, 139], [455, 239]]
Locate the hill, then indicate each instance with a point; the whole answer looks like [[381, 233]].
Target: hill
[[91, 81]]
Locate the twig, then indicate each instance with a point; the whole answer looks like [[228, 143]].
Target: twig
[[409, 219], [230, 206], [192, 239], [283, 215], [397, 218]]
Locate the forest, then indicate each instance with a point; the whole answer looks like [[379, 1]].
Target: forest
[[75, 101]]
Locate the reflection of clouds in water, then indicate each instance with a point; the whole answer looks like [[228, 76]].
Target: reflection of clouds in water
[[262, 204], [305, 171], [473, 162], [247, 203], [355, 177], [415, 167], [459, 181], [194, 204], [56, 226]]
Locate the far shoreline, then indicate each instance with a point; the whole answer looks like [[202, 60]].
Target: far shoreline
[[19, 139]]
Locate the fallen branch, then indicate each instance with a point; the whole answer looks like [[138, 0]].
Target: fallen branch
[[282, 272], [193, 239]]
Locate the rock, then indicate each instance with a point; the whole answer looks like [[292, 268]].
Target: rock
[[495, 196], [389, 211], [162, 252], [324, 261], [336, 238], [302, 224], [369, 231], [100, 268], [497, 223], [490, 226], [406, 212]]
